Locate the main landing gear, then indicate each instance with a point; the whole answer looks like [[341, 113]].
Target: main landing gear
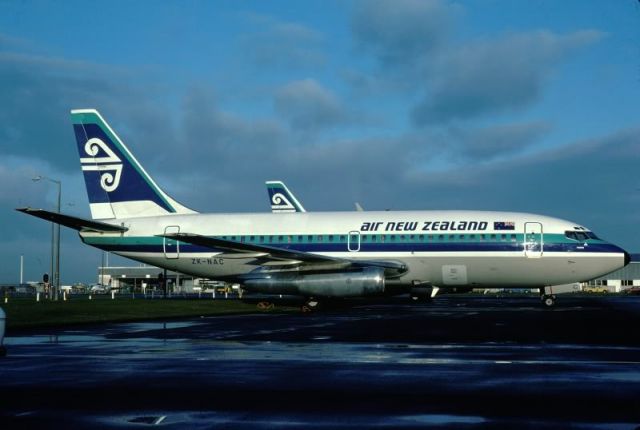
[[311, 305], [423, 293], [547, 299]]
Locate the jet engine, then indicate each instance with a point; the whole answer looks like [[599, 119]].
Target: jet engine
[[366, 282]]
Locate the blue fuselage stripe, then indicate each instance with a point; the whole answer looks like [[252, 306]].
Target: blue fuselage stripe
[[377, 247]]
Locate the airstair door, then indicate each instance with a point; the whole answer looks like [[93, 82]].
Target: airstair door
[[533, 240], [171, 246]]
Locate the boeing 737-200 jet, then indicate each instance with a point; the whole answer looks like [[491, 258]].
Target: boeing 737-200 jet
[[323, 254]]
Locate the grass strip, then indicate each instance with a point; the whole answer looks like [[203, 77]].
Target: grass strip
[[27, 313]]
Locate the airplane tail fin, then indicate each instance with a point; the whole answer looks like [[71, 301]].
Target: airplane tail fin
[[117, 185], [282, 200]]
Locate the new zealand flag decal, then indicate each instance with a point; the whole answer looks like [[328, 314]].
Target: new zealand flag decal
[[502, 225]]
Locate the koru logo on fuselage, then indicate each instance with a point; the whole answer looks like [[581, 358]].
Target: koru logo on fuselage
[[279, 203], [102, 159]]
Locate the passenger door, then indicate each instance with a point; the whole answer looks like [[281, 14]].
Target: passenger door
[[533, 240], [170, 246]]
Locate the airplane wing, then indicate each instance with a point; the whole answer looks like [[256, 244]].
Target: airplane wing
[[243, 247], [73, 222], [287, 256]]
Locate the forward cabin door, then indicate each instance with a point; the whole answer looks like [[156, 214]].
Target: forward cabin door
[[533, 240], [170, 246]]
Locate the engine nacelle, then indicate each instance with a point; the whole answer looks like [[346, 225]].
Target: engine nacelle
[[366, 282]]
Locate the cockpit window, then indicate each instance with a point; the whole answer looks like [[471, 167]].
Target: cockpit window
[[580, 235], [591, 235]]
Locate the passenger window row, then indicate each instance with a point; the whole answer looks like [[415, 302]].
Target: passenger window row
[[375, 238]]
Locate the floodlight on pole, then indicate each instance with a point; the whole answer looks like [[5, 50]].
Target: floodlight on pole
[[56, 277]]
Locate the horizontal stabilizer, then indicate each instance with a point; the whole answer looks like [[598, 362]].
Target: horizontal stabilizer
[[73, 222]]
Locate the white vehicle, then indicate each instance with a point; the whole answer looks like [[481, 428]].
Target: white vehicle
[[323, 254], [98, 289]]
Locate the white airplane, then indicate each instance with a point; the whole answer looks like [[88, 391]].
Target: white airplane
[[282, 199], [323, 254]]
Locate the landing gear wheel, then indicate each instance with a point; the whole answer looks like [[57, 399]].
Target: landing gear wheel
[[548, 300], [311, 305], [421, 299]]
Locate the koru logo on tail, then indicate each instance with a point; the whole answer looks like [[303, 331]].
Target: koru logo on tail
[[102, 159], [279, 203]]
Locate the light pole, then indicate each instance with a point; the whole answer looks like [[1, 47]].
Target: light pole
[[56, 277]]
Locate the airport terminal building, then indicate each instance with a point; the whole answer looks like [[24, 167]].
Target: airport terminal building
[[143, 279], [621, 279]]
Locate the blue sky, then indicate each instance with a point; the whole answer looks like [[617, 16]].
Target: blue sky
[[498, 105]]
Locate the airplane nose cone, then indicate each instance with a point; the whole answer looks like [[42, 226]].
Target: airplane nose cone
[[627, 258]]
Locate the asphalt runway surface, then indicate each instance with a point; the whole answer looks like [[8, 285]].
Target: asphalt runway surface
[[458, 362]]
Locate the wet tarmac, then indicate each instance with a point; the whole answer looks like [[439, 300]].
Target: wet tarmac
[[459, 362]]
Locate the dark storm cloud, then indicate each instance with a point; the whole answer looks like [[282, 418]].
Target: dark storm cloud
[[282, 44], [17, 188], [402, 32], [495, 75], [36, 94], [309, 106], [590, 182], [491, 142], [206, 129]]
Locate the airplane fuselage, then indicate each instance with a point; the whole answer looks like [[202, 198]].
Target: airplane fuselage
[[441, 248]]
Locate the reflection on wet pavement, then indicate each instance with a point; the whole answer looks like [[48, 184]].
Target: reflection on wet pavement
[[459, 362]]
